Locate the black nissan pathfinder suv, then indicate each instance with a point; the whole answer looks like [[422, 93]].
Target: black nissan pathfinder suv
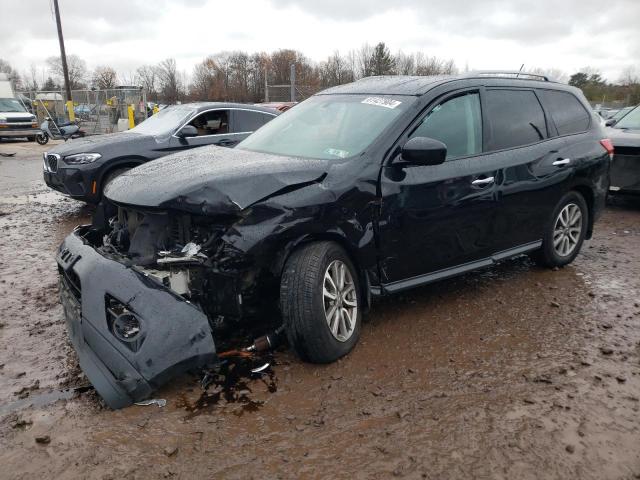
[[363, 190]]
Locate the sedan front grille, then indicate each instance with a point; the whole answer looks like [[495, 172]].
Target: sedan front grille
[[52, 162]]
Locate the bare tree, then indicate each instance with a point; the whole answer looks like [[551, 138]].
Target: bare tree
[[77, 70], [104, 78], [363, 61], [203, 80], [32, 82], [405, 63], [629, 76], [426, 65], [12, 74], [170, 81], [147, 76], [336, 70], [555, 74]]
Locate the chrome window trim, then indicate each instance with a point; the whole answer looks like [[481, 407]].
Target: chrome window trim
[[215, 110]]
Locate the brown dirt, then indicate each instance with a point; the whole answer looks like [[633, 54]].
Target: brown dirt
[[511, 372]]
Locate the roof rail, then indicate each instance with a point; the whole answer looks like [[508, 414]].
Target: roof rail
[[509, 74]]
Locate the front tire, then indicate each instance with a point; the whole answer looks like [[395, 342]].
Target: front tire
[[42, 138], [320, 301], [565, 232]]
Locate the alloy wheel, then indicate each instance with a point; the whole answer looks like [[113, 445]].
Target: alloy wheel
[[340, 300], [567, 230]]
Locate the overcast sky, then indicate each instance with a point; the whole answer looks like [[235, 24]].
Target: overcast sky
[[486, 34]]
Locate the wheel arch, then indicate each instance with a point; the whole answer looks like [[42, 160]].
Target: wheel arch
[[351, 251], [125, 162], [589, 197]]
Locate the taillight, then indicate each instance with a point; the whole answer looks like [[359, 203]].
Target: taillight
[[608, 146]]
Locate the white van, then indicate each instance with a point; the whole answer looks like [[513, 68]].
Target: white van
[[15, 120]]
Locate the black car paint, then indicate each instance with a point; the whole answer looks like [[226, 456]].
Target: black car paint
[[625, 167], [402, 225], [129, 149]]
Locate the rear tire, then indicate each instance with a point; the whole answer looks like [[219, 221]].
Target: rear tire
[[320, 328], [565, 232]]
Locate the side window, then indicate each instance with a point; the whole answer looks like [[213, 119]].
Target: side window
[[215, 122], [457, 123], [516, 117], [249, 121], [567, 112]]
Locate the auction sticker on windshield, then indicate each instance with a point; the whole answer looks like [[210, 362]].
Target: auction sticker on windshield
[[381, 102]]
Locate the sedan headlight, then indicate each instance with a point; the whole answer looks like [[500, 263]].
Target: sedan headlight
[[81, 158]]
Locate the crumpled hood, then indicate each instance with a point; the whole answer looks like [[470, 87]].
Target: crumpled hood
[[624, 138], [96, 143], [213, 180]]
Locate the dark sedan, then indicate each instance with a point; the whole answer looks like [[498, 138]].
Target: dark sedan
[[625, 168], [81, 168]]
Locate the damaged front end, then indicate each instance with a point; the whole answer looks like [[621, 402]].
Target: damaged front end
[[192, 244], [144, 295]]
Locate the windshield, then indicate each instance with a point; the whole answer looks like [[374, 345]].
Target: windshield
[[328, 126], [165, 121], [621, 113], [631, 120], [11, 105]]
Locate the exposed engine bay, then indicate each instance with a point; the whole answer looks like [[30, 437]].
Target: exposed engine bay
[[185, 253]]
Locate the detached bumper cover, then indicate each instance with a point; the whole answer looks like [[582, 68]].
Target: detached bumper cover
[[174, 336]]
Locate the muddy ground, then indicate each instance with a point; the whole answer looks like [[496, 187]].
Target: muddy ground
[[512, 372]]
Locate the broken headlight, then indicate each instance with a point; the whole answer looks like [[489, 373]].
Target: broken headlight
[[124, 324]]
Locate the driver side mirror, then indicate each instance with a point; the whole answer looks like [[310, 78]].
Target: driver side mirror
[[188, 131], [610, 123], [424, 151]]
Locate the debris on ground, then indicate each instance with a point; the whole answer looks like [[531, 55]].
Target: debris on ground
[[160, 402], [43, 439]]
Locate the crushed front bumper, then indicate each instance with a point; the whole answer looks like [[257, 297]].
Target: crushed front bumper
[[172, 336]]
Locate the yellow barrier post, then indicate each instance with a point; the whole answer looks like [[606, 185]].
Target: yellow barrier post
[[131, 120], [155, 108], [70, 111]]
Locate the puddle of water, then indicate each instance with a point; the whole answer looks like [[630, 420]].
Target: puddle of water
[[42, 399]]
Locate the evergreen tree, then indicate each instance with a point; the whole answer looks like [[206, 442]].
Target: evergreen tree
[[382, 62], [50, 85]]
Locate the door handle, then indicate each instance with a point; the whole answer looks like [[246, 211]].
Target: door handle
[[482, 182], [561, 162], [225, 142]]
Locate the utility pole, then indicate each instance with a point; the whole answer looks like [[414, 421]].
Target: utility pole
[[266, 85], [63, 57]]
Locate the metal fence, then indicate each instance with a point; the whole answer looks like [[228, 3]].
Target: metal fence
[[282, 93], [97, 111]]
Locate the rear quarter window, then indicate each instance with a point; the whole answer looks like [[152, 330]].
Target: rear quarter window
[[566, 111], [516, 118], [250, 120]]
